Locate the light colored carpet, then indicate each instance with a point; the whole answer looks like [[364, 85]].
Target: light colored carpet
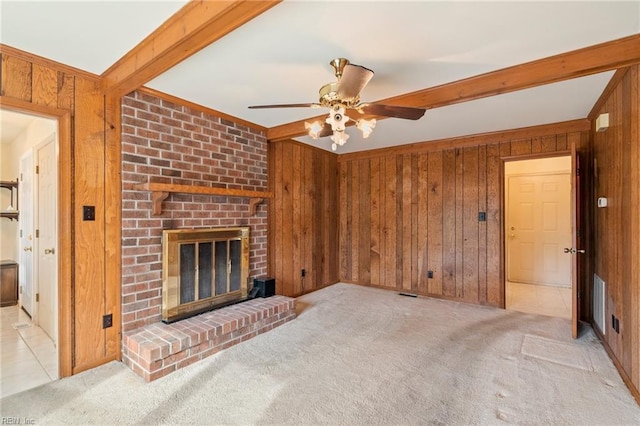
[[359, 355]]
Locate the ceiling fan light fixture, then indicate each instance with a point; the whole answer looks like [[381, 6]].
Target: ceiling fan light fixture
[[314, 129], [366, 126], [342, 95], [337, 118], [339, 138]]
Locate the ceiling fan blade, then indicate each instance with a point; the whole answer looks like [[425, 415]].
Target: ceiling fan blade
[[354, 79], [410, 113], [310, 105]]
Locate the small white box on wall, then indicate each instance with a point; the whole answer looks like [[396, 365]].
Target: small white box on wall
[[602, 122], [602, 202]]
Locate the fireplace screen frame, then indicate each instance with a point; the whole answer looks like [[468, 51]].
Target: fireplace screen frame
[[172, 241]]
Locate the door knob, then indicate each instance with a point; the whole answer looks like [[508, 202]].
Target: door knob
[[49, 251], [573, 251], [28, 248]]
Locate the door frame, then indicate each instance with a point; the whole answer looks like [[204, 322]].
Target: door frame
[[503, 211], [65, 221]]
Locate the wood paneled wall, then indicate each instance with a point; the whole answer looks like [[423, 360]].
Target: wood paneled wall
[[616, 156], [406, 213], [35, 85], [303, 225]]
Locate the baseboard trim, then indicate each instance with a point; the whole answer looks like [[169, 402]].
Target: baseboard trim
[[625, 377]]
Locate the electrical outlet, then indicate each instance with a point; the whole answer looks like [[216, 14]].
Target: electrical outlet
[[88, 212], [615, 323], [304, 272], [482, 217], [429, 274], [107, 321]]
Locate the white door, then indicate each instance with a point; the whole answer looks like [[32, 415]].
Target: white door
[[26, 234], [47, 241], [538, 229]]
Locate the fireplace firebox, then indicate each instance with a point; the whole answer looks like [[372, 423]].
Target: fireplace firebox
[[203, 269]]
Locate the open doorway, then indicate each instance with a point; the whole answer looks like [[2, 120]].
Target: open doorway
[[538, 274], [29, 338]]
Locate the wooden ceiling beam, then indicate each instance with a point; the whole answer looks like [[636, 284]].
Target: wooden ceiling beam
[[577, 63], [193, 27]]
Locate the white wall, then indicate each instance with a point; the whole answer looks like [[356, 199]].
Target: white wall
[[10, 153]]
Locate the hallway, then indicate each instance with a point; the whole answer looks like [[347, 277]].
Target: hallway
[[538, 299], [28, 357]]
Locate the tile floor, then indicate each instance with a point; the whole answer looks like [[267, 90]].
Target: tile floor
[[28, 357], [538, 299]]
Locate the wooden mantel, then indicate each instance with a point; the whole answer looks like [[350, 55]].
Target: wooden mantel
[[160, 191]]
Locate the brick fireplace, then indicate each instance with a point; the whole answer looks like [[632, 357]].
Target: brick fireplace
[[165, 141]]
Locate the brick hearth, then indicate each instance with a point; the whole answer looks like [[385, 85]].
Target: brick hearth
[[155, 350]]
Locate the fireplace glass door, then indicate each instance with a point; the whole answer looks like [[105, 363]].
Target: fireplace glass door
[[203, 269]]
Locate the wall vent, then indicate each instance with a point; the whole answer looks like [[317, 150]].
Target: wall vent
[[598, 302]]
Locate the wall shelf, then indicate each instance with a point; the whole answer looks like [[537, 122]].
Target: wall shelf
[[160, 191], [10, 185]]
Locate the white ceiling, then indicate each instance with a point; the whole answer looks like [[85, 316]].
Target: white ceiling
[[282, 55], [12, 124]]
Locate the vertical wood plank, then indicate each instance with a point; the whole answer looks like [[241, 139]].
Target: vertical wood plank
[[398, 223], [113, 223], [627, 189], [434, 221], [44, 86], [364, 271], [423, 222], [375, 221], [330, 224], [354, 226], [634, 228], [65, 91], [495, 292], [482, 226], [414, 220], [536, 145], [296, 248], [308, 229], [383, 221], [459, 224], [390, 221], [287, 218], [89, 294], [16, 78], [449, 223], [406, 221], [278, 201], [345, 232], [318, 212], [66, 262], [470, 225]]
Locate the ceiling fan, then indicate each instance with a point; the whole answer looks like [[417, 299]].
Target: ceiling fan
[[344, 94]]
